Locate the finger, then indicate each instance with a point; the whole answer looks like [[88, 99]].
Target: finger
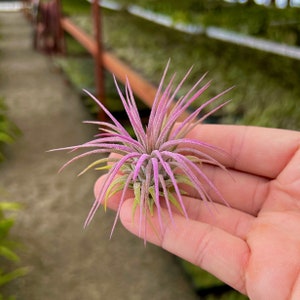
[[214, 250], [291, 175], [113, 201], [223, 217], [260, 151], [242, 191], [226, 218]]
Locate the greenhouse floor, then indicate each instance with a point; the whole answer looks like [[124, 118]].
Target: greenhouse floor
[[65, 261]]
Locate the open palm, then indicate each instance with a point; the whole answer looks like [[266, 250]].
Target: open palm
[[254, 243]]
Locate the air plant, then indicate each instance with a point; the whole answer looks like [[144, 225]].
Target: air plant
[[159, 161]]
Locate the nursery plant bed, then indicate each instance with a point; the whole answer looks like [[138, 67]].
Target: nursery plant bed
[[266, 85]]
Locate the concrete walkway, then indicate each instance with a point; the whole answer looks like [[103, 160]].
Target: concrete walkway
[[65, 261]]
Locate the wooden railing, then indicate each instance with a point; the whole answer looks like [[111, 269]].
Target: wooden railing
[[93, 44], [139, 85]]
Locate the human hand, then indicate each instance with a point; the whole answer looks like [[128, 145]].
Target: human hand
[[254, 244]]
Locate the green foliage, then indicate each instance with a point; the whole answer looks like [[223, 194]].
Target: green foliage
[[8, 256], [75, 7], [7, 247], [263, 81], [208, 286], [268, 22], [8, 131]]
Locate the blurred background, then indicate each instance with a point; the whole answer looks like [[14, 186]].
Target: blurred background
[[223, 38], [253, 46]]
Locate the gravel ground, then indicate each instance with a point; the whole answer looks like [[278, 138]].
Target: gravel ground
[[65, 261]]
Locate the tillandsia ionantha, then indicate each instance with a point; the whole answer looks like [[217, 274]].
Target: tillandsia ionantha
[[159, 161]]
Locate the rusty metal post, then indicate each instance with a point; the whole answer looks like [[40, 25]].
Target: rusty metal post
[[99, 72], [60, 31]]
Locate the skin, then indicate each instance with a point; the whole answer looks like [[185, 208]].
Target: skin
[[253, 244]]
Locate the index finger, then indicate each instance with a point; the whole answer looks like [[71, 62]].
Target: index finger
[[256, 150]]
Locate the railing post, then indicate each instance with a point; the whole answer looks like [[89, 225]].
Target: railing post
[[60, 31], [99, 73]]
